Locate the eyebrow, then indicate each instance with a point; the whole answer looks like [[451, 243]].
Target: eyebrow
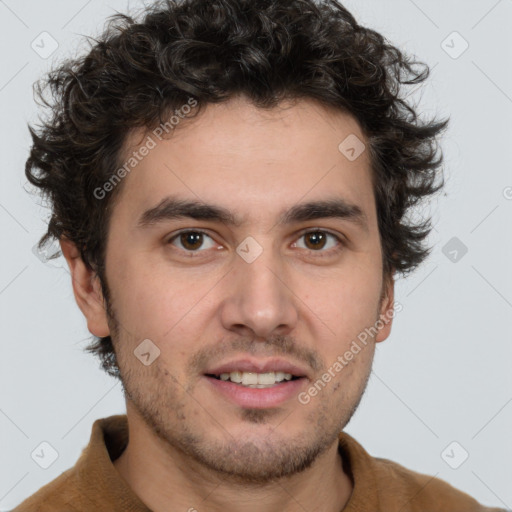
[[173, 208]]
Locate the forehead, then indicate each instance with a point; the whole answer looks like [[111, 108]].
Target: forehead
[[252, 160]]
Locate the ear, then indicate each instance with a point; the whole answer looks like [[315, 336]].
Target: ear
[[87, 290], [386, 310]]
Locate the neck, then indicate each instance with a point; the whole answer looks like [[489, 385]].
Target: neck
[[166, 479]]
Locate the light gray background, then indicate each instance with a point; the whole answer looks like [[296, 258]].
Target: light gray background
[[443, 375]]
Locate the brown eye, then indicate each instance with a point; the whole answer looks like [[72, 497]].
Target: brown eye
[[319, 241], [192, 241], [315, 240]]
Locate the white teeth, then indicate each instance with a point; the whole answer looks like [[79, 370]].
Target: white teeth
[[236, 377], [258, 380], [249, 378], [264, 378]]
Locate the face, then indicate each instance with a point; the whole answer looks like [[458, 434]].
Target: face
[[278, 270]]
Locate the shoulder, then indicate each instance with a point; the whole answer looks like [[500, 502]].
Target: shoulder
[[59, 494], [382, 484], [93, 483], [420, 492]]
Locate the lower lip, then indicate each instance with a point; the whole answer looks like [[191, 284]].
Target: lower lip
[[258, 398]]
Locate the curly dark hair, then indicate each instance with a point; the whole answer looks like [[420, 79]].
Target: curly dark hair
[[140, 70]]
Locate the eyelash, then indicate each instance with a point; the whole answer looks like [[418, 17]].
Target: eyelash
[[320, 253]]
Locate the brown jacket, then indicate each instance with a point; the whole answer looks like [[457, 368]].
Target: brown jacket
[[380, 485]]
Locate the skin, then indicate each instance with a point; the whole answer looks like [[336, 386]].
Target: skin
[[189, 446]]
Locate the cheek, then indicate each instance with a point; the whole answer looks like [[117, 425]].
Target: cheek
[[347, 368], [167, 306], [144, 302], [347, 302]]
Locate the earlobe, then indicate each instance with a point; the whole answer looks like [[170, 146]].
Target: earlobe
[[386, 313], [87, 289]]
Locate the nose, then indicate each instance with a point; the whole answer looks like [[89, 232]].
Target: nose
[[259, 301]]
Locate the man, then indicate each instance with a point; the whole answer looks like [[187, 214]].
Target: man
[[230, 181]]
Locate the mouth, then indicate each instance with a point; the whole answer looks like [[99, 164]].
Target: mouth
[[257, 383], [256, 389], [254, 379]]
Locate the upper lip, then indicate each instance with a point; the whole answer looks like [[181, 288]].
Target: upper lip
[[258, 366]]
